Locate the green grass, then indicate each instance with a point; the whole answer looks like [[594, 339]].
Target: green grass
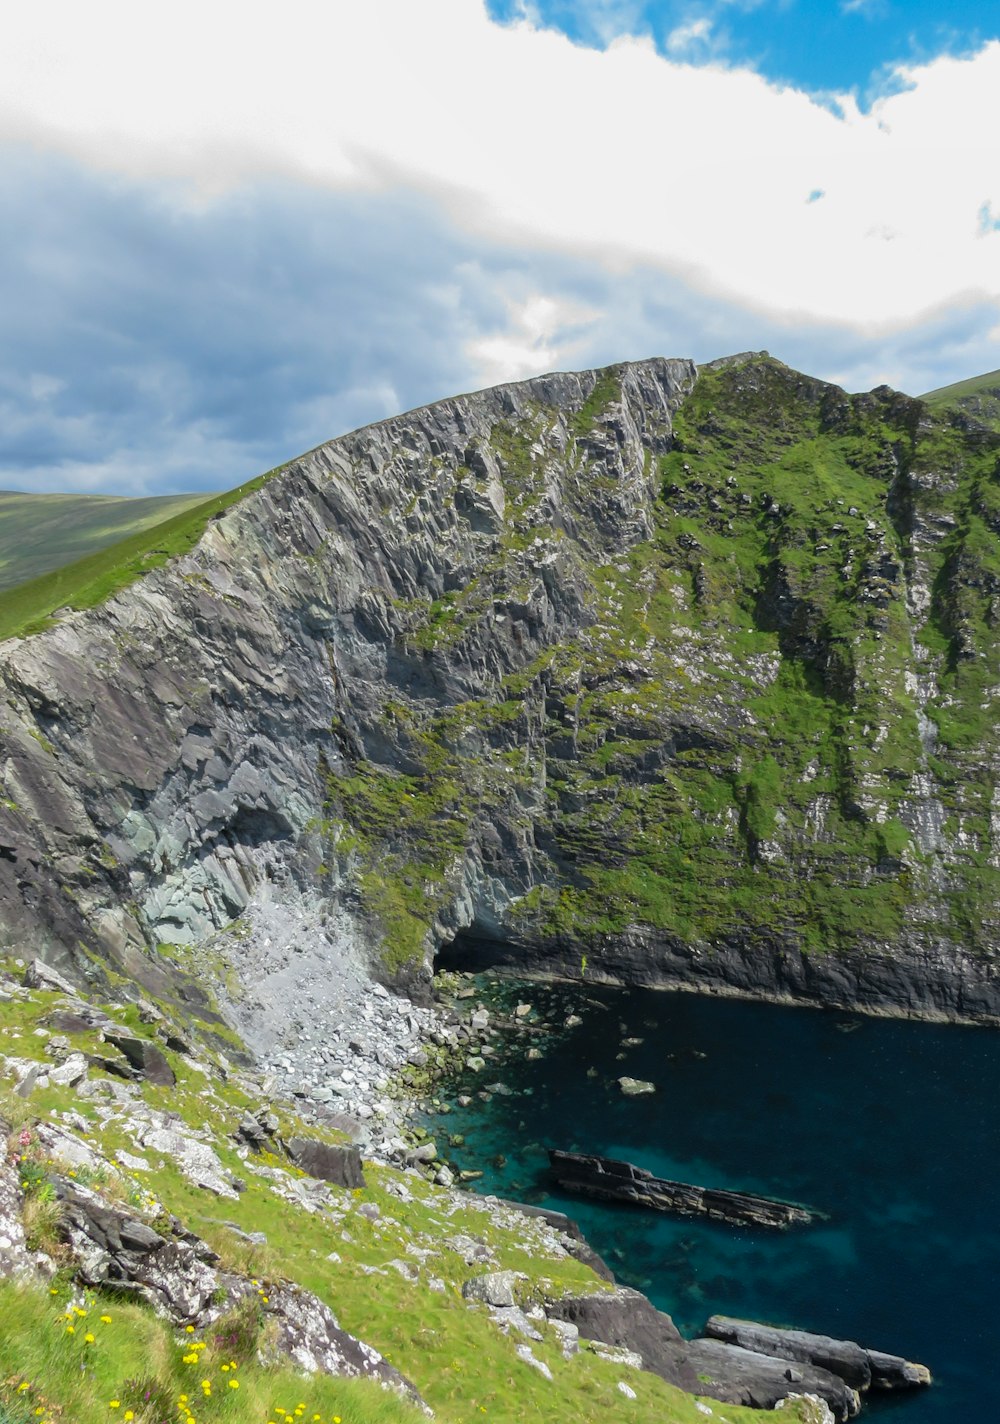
[[96, 577], [133, 1354], [978, 397], [41, 532], [452, 1351], [975, 385]]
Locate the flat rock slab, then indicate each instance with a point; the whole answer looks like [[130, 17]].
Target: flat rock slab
[[147, 1060], [860, 1368], [737, 1376], [327, 1161], [608, 1179]]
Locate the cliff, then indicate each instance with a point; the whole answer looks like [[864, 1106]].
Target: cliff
[[668, 675]]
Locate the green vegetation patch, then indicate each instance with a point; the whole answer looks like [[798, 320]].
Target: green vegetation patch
[[96, 577], [41, 532]]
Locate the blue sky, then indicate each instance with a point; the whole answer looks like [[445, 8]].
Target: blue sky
[[829, 47], [228, 239]]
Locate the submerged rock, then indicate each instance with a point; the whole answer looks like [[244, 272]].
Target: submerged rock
[[635, 1087]]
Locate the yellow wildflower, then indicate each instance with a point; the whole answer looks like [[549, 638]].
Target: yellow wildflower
[[88, 1338], [105, 1319], [234, 1384], [113, 1403]]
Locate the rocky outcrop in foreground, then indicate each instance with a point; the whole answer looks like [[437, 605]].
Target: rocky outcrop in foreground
[[656, 674]]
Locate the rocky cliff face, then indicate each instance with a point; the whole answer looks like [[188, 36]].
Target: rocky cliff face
[[670, 675]]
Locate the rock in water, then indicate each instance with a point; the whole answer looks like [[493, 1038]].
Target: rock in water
[[635, 1087], [739, 1376], [607, 1179], [862, 1369]]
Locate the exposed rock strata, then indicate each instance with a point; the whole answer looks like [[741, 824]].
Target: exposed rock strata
[[607, 1179], [511, 666], [861, 1368]]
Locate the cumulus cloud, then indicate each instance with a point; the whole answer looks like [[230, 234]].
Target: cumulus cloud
[[621, 155], [149, 347], [229, 236]]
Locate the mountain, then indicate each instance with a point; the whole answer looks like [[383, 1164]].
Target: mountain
[[41, 532], [666, 674]]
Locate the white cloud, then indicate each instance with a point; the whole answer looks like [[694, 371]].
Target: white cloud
[[542, 334], [620, 154], [692, 35]]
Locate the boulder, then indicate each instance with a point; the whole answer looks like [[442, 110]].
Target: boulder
[[737, 1376], [840, 1357], [625, 1318], [146, 1059], [70, 1072], [862, 1369], [172, 1271], [40, 975], [195, 1159], [307, 1332], [496, 1288], [327, 1161]]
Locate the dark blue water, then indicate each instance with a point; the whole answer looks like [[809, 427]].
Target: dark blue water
[[892, 1129]]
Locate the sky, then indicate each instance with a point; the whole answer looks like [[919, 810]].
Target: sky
[[232, 231]]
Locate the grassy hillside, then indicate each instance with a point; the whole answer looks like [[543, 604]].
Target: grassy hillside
[[93, 578], [389, 1258], [41, 532], [977, 398]]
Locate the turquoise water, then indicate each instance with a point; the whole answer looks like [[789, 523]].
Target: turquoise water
[[891, 1129]]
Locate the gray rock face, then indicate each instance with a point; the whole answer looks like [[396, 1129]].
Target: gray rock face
[[496, 1288], [738, 1376], [627, 1320], [168, 753], [16, 1261], [178, 1275], [860, 1368], [147, 1060], [359, 692], [328, 1162], [175, 1274]]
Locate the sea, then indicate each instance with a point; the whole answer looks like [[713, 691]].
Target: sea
[[889, 1129]]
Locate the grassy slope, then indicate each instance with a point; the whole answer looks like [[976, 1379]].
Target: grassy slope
[[978, 397], [96, 577], [41, 532], [453, 1352]]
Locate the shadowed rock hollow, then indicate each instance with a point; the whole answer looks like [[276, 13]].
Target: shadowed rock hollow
[[669, 675]]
